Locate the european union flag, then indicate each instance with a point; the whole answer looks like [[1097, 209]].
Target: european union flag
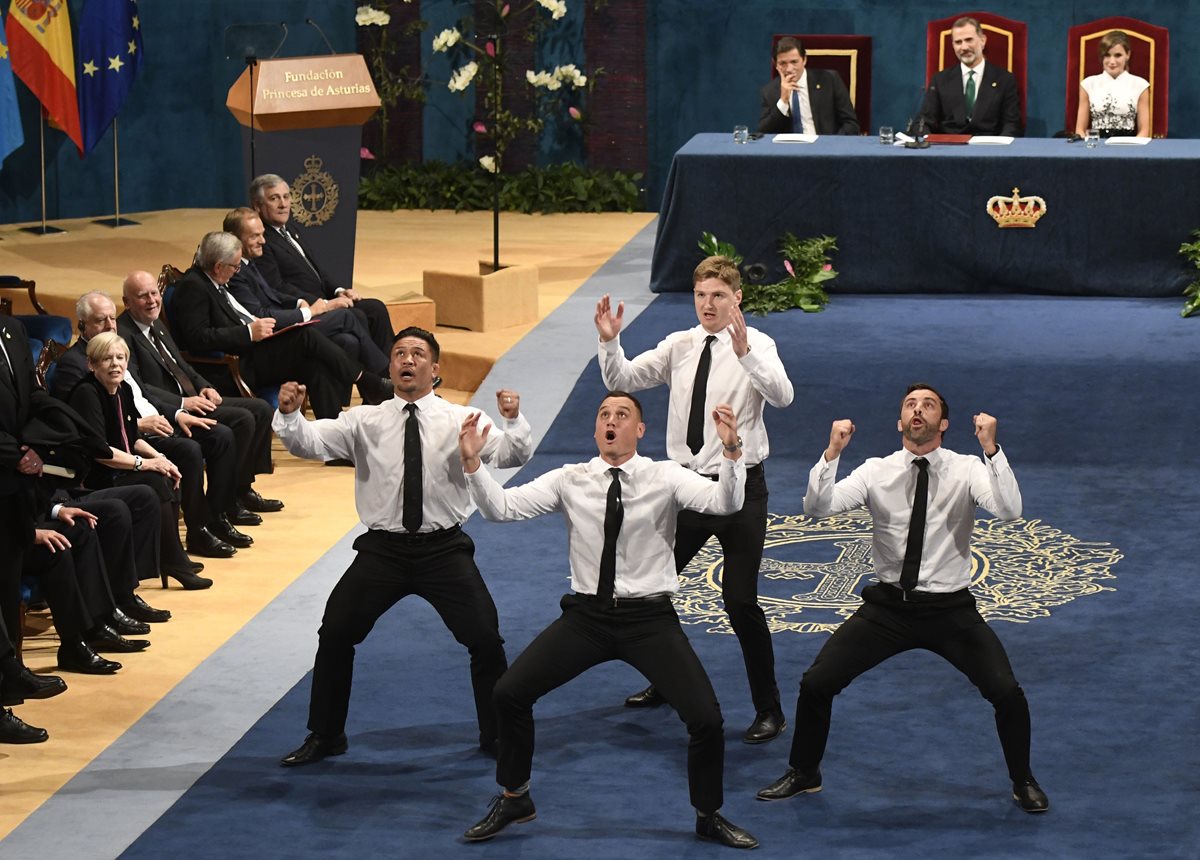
[[11, 135], [110, 54]]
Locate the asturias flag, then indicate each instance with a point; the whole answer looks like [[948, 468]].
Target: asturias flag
[[110, 54], [11, 135], [43, 56]]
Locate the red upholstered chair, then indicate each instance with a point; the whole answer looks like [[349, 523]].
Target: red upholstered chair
[[1150, 59], [1007, 46], [849, 56]]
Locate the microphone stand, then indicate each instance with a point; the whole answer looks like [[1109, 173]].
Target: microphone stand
[[252, 64]]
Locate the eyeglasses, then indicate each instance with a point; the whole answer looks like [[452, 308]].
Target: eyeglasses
[[237, 267]]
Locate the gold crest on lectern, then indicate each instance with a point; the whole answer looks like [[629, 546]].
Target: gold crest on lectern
[[315, 192], [1016, 211]]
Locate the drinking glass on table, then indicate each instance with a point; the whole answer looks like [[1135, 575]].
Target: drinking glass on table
[[887, 135], [1091, 138], [741, 134]]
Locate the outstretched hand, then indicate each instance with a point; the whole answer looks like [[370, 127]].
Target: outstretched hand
[[839, 437], [737, 332], [985, 432], [608, 325], [471, 440], [726, 423]]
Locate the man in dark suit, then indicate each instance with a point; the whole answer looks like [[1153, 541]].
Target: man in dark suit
[[194, 443], [205, 317], [288, 264], [171, 383], [805, 100], [973, 96], [339, 321]]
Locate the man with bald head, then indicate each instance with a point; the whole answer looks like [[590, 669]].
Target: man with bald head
[[170, 381]]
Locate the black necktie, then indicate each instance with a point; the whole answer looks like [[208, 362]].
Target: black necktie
[[614, 514], [412, 471], [224, 291], [181, 378], [695, 430], [916, 528]]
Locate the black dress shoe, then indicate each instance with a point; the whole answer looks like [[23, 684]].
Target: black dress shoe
[[16, 689], [79, 657], [1030, 797], [239, 516], [717, 828], [14, 730], [790, 784], [766, 727], [223, 530], [314, 749], [204, 542], [252, 501], [338, 461], [375, 389], [127, 626], [647, 698], [187, 579], [103, 638], [503, 812], [137, 608]]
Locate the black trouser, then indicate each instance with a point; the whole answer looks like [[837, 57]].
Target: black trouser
[[115, 530], [73, 580], [250, 420], [348, 328], [741, 536], [170, 554], [950, 626], [646, 635], [302, 355], [439, 567], [189, 457], [374, 314]]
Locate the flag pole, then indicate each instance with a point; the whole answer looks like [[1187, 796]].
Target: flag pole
[[116, 221], [44, 229]]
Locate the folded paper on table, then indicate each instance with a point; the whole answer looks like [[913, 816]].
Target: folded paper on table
[[1127, 141], [795, 138], [990, 140]]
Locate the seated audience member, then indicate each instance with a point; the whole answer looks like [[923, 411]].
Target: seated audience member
[[805, 100], [1115, 101], [197, 444], [205, 317], [973, 96], [339, 321], [105, 401], [288, 265], [17, 684], [156, 361]]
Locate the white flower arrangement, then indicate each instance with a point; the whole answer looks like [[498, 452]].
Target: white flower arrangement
[[445, 39], [557, 8], [462, 77], [368, 16], [571, 74], [488, 163]]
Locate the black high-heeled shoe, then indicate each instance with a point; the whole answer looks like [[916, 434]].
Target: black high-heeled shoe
[[189, 580]]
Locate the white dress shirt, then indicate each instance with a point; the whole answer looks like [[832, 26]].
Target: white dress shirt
[[373, 438], [746, 384], [808, 124], [957, 485], [652, 494]]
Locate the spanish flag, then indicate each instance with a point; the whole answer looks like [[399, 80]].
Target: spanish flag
[[43, 57]]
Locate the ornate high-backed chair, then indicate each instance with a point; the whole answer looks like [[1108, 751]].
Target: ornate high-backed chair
[[1149, 58], [849, 56], [1007, 46]]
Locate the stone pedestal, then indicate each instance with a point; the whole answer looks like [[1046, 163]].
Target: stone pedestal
[[487, 301]]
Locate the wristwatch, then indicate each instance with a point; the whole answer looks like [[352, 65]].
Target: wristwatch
[[735, 447], [137, 463]]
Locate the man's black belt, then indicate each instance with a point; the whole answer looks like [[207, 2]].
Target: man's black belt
[[622, 601], [417, 538], [915, 596]]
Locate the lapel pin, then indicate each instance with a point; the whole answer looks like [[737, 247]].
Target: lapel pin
[[993, 83]]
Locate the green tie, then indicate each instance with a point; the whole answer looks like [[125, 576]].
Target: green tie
[[970, 93]]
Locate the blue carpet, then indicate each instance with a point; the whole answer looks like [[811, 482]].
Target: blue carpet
[[1096, 407]]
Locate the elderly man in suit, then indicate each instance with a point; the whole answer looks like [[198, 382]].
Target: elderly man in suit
[[206, 317], [814, 101], [339, 321], [172, 384], [973, 96], [288, 264]]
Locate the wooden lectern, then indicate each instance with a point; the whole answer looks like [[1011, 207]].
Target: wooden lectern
[[301, 119]]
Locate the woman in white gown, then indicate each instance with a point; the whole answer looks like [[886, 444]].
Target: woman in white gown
[[1114, 102]]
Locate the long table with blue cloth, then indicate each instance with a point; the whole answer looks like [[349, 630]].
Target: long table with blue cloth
[[917, 220]]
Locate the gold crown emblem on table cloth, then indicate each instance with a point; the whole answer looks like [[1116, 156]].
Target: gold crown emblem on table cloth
[[316, 193], [1016, 211]]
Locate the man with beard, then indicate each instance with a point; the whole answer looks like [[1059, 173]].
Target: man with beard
[[973, 97], [922, 499]]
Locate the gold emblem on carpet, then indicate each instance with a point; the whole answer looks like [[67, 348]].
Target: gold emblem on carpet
[[813, 569]]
